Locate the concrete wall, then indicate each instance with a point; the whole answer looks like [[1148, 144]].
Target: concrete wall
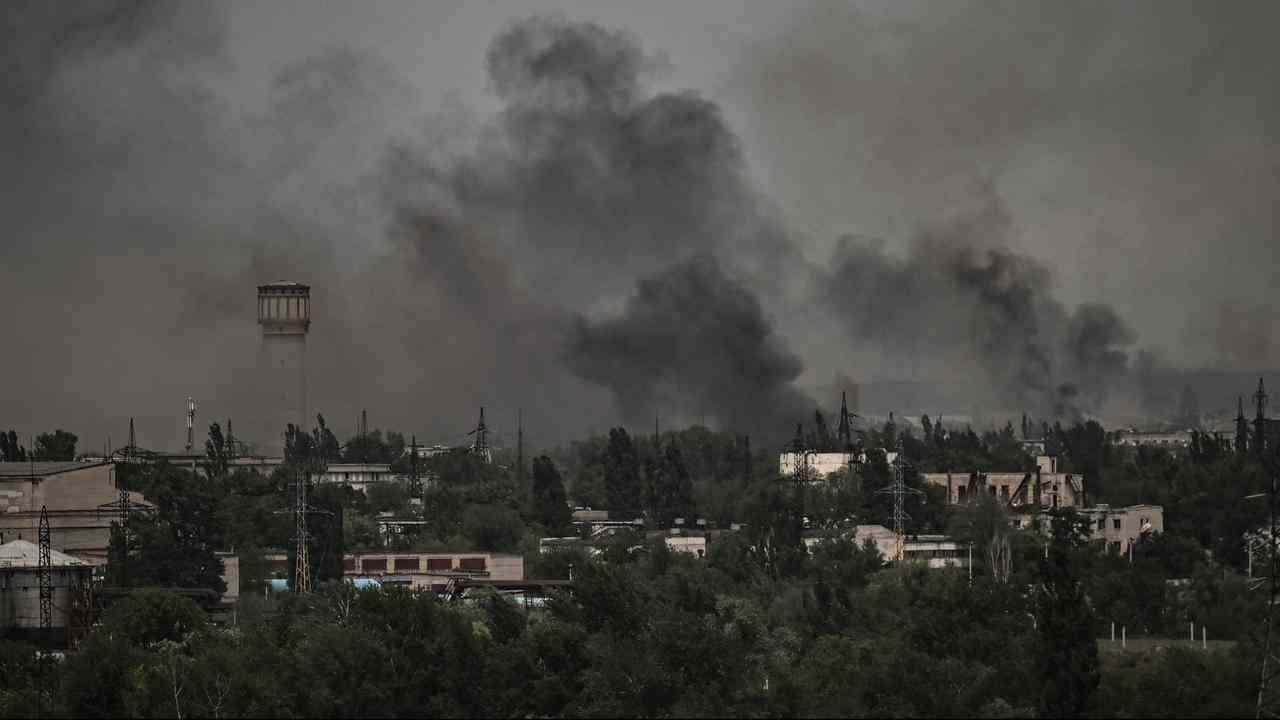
[[20, 597], [77, 523], [1118, 527], [821, 464], [1067, 488], [282, 383], [696, 546]]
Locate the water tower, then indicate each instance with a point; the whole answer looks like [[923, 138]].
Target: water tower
[[284, 313]]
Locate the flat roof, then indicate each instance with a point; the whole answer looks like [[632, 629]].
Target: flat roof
[[19, 470]]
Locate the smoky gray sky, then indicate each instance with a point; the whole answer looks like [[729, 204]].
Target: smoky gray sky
[[1043, 191]]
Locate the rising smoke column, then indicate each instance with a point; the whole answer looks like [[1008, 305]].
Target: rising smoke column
[[693, 342], [582, 182], [962, 306]]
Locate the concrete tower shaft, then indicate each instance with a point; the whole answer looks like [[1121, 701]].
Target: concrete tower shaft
[[284, 314]]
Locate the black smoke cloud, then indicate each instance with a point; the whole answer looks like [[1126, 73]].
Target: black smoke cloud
[[1135, 144], [583, 182], [585, 178], [961, 304], [693, 343]]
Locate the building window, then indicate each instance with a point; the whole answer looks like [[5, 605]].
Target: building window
[[374, 564], [439, 564], [1102, 523], [1004, 492], [407, 564], [1115, 523], [471, 563], [348, 564]]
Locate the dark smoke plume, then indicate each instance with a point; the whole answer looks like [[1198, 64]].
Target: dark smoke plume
[[962, 305], [693, 342], [584, 181], [586, 178]]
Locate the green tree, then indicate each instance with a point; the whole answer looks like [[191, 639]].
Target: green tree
[[174, 546], [58, 445], [622, 476], [217, 452], [492, 527], [674, 488], [550, 506], [1067, 650], [10, 449], [148, 616]]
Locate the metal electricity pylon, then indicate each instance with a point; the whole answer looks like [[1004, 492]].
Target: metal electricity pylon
[[900, 491], [481, 445], [302, 560], [1268, 704], [45, 573]]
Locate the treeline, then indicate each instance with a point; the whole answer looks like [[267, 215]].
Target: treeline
[[759, 628], [52, 446]]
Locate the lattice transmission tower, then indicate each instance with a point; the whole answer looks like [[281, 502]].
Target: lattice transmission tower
[[900, 491], [45, 573], [301, 537], [1268, 701]]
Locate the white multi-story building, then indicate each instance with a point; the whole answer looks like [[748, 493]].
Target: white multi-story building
[[357, 475], [820, 465]]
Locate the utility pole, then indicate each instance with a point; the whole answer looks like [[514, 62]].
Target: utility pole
[[191, 423], [520, 449], [415, 484], [1260, 420]]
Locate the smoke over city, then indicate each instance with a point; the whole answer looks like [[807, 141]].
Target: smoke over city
[[593, 242], [695, 342], [961, 304]]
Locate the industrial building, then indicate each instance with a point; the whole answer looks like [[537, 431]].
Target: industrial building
[[20, 591], [420, 570], [1169, 439], [1045, 486], [819, 465], [81, 498]]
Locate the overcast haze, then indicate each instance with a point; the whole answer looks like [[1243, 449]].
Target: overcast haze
[[703, 211]]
